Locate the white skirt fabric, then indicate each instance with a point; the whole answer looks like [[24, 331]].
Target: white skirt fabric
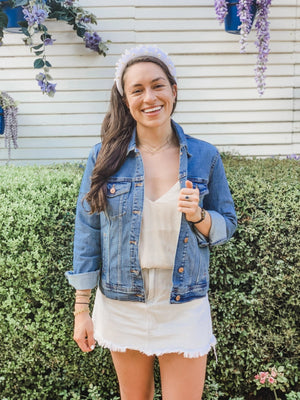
[[155, 327]]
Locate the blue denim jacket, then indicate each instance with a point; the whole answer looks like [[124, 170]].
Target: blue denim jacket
[[106, 244]]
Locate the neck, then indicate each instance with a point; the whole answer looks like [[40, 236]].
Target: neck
[[154, 137]]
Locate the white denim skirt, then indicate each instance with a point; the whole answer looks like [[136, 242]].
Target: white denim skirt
[[155, 327]]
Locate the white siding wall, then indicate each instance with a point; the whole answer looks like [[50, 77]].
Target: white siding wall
[[218, 100]]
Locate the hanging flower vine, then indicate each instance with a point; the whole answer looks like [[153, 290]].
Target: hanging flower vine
[[35, 13], [10, 110], [246, 10]]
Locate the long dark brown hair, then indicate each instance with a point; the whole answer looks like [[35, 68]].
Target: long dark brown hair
[[116, 132]]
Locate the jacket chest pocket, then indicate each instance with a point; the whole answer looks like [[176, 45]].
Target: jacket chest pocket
[[117, 195], [202, 185]]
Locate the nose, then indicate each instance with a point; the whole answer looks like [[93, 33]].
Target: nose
[[149, 95]]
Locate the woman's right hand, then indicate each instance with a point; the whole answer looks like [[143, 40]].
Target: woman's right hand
[[84, 332]]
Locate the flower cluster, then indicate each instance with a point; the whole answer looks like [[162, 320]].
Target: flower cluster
[[221, 10], [46, 86], [262, 42], [293, 157], [246, 12], [10, 111], [273, 379], [35, 14], [262, 377], [92, 40]]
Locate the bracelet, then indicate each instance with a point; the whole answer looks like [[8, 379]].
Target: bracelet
[[203, 214], [81, 311]]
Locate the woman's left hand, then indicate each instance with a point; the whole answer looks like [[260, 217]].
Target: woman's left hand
[[188, 202]]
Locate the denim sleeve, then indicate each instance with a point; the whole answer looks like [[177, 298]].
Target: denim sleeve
[[218, 202], [87, 251]]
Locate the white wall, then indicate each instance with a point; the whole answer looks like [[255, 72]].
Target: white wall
[[218, 100]]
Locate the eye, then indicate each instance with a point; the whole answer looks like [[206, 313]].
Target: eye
[[136, 91]]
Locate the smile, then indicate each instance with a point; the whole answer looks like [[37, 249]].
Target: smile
[[150, 110]]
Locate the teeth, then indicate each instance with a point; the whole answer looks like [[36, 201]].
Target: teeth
[[152, 109]]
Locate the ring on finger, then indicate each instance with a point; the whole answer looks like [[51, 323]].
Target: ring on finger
[[187, 197]]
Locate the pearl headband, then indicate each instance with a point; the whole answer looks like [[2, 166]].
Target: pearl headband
[[143, 50]]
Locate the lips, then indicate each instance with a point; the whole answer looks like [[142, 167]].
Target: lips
[[153, 109]]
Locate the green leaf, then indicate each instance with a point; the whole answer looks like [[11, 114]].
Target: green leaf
[[80, 31], [23, 24], [20, 3], [38, 46], [48, 64], [25, 31], [43, 28], [3, 19], [38, 53], [39, 63]]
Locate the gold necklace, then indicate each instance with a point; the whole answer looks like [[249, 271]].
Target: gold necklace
[[155, 150]]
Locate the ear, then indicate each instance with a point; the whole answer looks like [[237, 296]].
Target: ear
[[174, 91], [124, 99]]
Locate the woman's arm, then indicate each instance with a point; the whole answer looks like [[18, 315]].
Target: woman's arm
[[87, 249], [219, 222], [83, 324]]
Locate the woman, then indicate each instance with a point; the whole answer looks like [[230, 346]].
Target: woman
[[152, 201]]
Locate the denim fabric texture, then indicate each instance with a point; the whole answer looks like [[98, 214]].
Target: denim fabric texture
[[106, 244]]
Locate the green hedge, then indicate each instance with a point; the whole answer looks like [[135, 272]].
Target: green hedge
[[254, 285]]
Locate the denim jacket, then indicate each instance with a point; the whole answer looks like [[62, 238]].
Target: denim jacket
[[106, 245]]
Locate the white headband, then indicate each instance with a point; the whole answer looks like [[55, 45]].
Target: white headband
[[143, 50]]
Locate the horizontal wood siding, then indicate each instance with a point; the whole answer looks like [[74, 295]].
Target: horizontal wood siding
[[218, 100]]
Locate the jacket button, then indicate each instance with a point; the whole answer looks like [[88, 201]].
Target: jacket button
[[177, 298], [113, 190], [181, 269], [186, 240]]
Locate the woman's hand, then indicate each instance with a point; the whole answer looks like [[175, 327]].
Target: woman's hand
[[84, 331], [188, 202]]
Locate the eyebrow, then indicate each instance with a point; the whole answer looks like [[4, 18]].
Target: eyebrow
[[153, 81]]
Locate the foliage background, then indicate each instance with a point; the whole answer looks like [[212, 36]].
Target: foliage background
[[254, 286]]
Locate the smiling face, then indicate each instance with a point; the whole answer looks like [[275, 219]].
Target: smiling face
[[149, 95]]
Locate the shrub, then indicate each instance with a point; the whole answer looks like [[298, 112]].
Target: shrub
[[254, 284], [255, 276]]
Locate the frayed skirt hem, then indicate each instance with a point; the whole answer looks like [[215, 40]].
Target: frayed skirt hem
[[186, 353]]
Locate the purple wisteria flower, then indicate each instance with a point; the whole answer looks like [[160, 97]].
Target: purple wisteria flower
[[221, 10], [10, 111], [92, 40], [246, 10], [69, 2], [35, 16], [262, 42]]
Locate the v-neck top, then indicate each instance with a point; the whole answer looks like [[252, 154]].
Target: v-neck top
[[160, 230]]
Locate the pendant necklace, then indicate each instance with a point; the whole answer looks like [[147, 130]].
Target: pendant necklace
[[155, 150]]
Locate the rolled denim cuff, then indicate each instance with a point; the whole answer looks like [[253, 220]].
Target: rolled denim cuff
[[217, 233], [83, 281], [218, 230]]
